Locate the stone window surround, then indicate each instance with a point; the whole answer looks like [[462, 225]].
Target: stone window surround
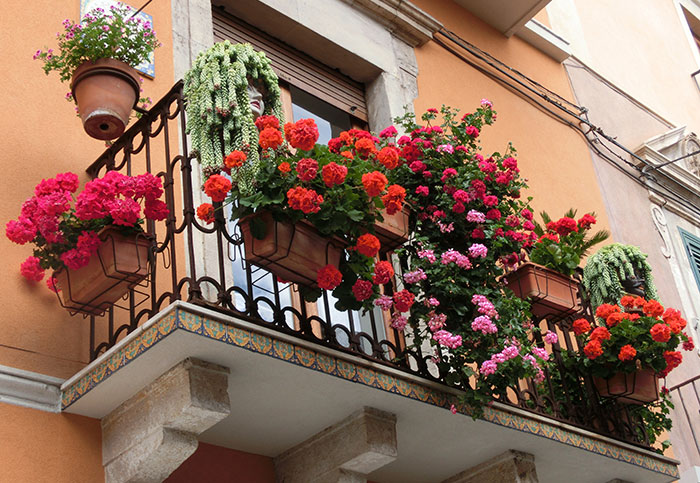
[[371, 41]]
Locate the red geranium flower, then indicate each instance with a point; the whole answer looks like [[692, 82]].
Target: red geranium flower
[[334, 174], [284, 167], [627, 353], [383, 271], [216, 187], [586, 221], [205, 212], [374, 183], [307, 169], [615, 318], [303, 134], [600, 334], [364, 147], [389, 157], [329, 277], [593, 349], [653, 308], [393, 200], [235, 159], [270, 138], [604, 310], [660, 332], [362, 290], [264, 122], [306, 200], [403, 300], [628, 301], [581, 326], [368, 245], [565, 226]]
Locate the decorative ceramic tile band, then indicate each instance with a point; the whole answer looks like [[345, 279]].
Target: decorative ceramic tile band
[[180, 319]]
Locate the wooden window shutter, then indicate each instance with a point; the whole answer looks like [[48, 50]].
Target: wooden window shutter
[[295, 67], [692, 248]]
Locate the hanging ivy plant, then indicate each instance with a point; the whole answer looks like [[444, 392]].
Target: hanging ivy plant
[[219, 118]]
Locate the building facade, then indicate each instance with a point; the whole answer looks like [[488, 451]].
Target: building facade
[[193, 378]]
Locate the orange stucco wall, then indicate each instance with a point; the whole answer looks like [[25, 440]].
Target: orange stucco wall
[[41, 136], [553, 156], [41, 447]]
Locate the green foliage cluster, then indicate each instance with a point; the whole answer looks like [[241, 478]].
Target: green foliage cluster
[[606, 268], [219, 119]]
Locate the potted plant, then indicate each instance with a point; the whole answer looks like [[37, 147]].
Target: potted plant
[[546, 279], [95, 245], [98, 54], [311, 214], [468, 220], [615, 270], [628, 352]]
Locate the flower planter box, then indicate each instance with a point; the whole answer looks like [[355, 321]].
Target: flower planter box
[[640, 387], [294, 253], [394, 230], [120, 263], [105, 91], [551, 293]]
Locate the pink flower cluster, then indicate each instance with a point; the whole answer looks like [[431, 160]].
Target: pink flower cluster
[[453, 256], [447, 339], [490, 366], [415, 276], [475, 216], [484, 306], [436, 321], [427, 254], [477, 250], [484, 324]]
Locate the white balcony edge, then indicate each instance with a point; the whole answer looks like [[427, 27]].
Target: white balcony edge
[[30, 389]]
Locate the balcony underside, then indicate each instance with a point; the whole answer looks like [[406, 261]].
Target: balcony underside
[[284, 390]]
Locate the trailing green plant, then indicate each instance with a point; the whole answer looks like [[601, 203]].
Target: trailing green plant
[[219, 116], [563, 243], [608, 267]]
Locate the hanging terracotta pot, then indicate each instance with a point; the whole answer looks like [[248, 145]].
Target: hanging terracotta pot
[[105, 91], [294, 253], [121, 262], [394, 230], [551, 293], [639, 387]]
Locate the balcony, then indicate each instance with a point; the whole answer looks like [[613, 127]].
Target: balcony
[[294, 372]]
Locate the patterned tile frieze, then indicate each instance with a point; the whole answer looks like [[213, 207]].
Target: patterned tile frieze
[[179, 319]]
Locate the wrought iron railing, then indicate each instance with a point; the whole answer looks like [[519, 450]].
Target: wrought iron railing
[[203, 264], [686, 399]]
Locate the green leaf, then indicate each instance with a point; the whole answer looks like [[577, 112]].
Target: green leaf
[[258, 228]]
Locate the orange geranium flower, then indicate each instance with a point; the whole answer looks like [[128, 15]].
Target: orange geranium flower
[[393, 200], [235, 159], [374, 183], [270, 138], [302, 134], [216, 187], [329, 277], [368, 245]]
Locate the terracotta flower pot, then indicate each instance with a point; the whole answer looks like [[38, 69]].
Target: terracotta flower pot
[[393, 231], [292, 252], [551, 293], [120, 264], [640, 387], [105, 91]]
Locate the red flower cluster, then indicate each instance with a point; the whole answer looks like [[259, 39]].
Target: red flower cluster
[[627, 353], [673, 360], [660, 332], [653, 308], [586, 221], [284, 167], [362, 290], [264, 122], [31, 269], [393, 200], [383, 272], [565, 225], [217, 187], [334, 174], [303, 134], [368, 245], [270, 138], [593, 349], [307, 169], [329, 277], [205, 212], [306, 200], [403, 300], [364, 147], [389, 157], [374, 183], [235, 159]]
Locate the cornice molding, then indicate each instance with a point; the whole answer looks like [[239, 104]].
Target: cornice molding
[[29, 389], [405, 20]]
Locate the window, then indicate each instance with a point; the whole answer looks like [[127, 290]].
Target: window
[[692, 248], [336, 103]]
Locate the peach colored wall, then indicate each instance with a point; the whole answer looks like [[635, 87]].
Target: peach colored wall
[[40, 447], [643, 48], [41, 136], [551, 155], [215, 464]]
